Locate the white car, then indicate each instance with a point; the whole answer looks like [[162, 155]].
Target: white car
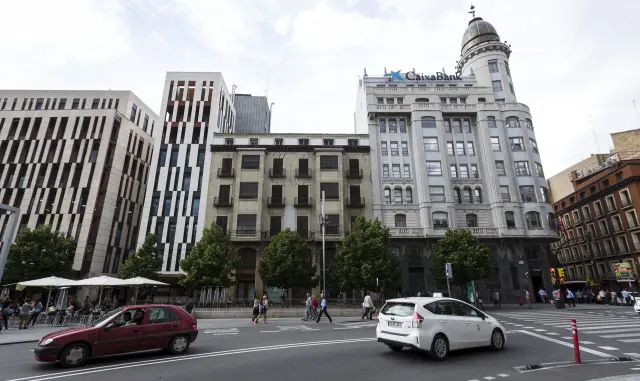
[[636, 303], [437, 326]]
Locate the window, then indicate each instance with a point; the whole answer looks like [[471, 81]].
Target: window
[[491, 122], [328, 162], [431, 144], [246, 224], [407, 171], [473, 172], [512, 122], [132, 115], [517, 144], [402, 124], [400, 220], [598, 208], [440, 220], [611, 203], [250, 162], [467, 125], [533, 220], [395, 170], [453, 170], [464, 171], [174, 158], [493, 66], [195, 207], [248, 191], [405, 148], [382, 122], [436, 194], [394, 149], [447, 125], [327, 142], [497, 85], [384, 149], [544, 195], [428, 122], [385, 171], [434, 168], [408, 195], [522, 168], [510, 219], [303, 142], [495, 143], [539, 170], [331, 191], [456, 126], [625, 197], [397, 195], [387, 195], [527, 193], [460, 148], [392, 125], [511, 87], [470, 150], [162, 315], [450, 150], [472, 220], [632, 219]]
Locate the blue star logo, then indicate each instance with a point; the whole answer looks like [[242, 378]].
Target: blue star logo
[[394, 75]]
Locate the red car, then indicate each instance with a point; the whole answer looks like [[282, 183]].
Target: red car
[[123, 330]]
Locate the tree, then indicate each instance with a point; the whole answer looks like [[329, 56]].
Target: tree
[[39, 253], [364, 257], [469, 259], [212, 261], [143, 263], [286, 262]]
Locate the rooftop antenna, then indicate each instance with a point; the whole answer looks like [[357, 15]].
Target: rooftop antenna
[[593, 131], [266, 91], [636, 107], [473, 11]]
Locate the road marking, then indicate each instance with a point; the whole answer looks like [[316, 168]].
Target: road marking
[[222, 331], [587, 342], [503, 375], [629, 341], [620, 335], [606, 348], [570, 345], [489, 378], [635, 368], [107, 368], [552, 333], [519, 325], [632, 355], [296, 328], [272, 331], [540, 330], [615, 330]]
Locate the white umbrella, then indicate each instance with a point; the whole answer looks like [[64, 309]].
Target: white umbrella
[[141, 281], [49, 282], [102, 282]]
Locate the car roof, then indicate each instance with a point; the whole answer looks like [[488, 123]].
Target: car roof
[[418, 299]]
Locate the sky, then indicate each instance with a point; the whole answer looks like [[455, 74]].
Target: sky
[[573, 62]]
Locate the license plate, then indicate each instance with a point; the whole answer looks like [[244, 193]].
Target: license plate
[[395, 324]]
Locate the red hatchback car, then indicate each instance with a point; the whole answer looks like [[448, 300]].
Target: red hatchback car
[[123, 330]]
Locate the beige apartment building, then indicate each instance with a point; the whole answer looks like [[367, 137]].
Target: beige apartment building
[[261, 184]]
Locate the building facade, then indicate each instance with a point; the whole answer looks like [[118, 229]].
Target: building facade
[[601, 226], [78, 161], [459, 151], [253, 114], [261, 184]]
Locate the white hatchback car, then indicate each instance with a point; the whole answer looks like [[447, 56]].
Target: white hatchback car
[[437, 326]]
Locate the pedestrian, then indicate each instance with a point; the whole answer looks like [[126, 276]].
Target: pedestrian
[[7, 311], [543, 295], [571, 298], [263, 307], [527, 296], [323, 309], [314, 307], [256, 308], [36, 312], [368, 306], [25, 311], [307, 309], [496, 299], [479, 299], [625, 297]]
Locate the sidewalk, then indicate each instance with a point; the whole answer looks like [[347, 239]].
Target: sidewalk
[[31, 335]]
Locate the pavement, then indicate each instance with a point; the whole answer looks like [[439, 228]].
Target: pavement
[[290, 349]]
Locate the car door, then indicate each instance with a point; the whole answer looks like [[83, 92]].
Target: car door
[[455, 327], [161, 325], [115, 337], [473, 325]]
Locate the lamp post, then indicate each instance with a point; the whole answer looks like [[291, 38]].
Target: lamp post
[[323, 223]]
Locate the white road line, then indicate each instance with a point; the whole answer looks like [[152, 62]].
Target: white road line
[[615, 330], [570, 345], [272, 331], [606, 348], [489, 378], [226, 333], [599, 327], [540, 330], [527, 327], [587, 342], [629, 341], [503, 375], [619, 335], [633, 355], [552, 333], [635, 368], [222, 330]]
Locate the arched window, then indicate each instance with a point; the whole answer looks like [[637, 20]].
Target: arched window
[[400, 220], [510, 218], [481, 100], [533, 220], [457, 197], [528, 123], [397, 195], [513, 122], [467, 195], [387, 195], [422, 100], [478, 194], [440, 220], [472, 220], [491, 121], [408, 195], [428, 122]]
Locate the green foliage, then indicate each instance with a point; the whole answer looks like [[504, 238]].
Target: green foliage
[[469, 259], [212, 261], [286, 262], [39, 253], [144, 263], [364, 256]]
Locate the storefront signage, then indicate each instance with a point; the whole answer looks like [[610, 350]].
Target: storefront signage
[[624, 272], [413, 76]]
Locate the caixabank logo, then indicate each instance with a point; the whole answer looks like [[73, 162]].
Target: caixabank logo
[[396, 76], [393, 76]]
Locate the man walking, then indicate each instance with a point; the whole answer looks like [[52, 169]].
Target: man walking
[[323, 309], [308, 304], [368, 306]]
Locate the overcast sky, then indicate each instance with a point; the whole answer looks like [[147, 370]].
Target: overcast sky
[[575, 63]]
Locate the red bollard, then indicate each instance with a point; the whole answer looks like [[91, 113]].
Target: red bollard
[[576, 343]]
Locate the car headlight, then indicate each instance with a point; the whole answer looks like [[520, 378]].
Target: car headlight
[[46, 342]]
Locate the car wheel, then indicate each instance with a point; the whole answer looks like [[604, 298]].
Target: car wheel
[[74, 354], [439, 348], [497, 340], [394, 347], [179, 344]]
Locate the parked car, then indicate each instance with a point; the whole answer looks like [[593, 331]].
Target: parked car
[[437, 326], [123, 330]]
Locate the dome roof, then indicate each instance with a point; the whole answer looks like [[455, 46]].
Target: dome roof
[[477, 32]]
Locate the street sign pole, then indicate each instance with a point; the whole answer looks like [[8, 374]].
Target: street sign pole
[[449, 275]]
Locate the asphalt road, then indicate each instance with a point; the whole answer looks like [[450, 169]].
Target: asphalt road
[[293, 351]]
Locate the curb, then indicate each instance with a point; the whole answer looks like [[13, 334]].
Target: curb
[[20, 342]]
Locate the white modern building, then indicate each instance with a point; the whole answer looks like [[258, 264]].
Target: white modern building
[[457, 150], [78, 161], [194, 106]]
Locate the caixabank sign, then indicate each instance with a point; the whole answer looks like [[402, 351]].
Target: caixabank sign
[[413, 76]]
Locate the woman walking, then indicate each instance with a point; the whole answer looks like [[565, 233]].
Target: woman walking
[[264, 306]]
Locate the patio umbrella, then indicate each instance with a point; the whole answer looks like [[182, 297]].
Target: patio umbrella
[[141, 281], [102, 282], [48, 282]]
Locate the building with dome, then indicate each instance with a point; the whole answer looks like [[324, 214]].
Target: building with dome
[[457, 150]]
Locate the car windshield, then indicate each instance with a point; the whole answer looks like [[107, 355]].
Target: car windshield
[[107, 317]]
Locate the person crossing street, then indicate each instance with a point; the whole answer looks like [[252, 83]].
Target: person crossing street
[[323, 310]]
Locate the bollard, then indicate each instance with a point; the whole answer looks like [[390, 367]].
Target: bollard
[[576, 343]]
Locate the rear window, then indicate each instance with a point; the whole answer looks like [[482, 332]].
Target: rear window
[[398, 309]]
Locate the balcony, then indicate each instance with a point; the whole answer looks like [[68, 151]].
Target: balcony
[[223, 201], [478, 232], [305, 234], [276, 201], [408, 232], [303, 173], [277, 173], [249, 233], [303, 202], [226, 172], [328, 166], [353, 173], [355, 202]]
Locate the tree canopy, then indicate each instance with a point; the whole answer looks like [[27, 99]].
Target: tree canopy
[[145, 262], [364, 256], [212, 261], [470, 260], [39, 253], [286, 262]]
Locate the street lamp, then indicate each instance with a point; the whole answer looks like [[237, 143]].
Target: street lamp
[[323, 223]]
